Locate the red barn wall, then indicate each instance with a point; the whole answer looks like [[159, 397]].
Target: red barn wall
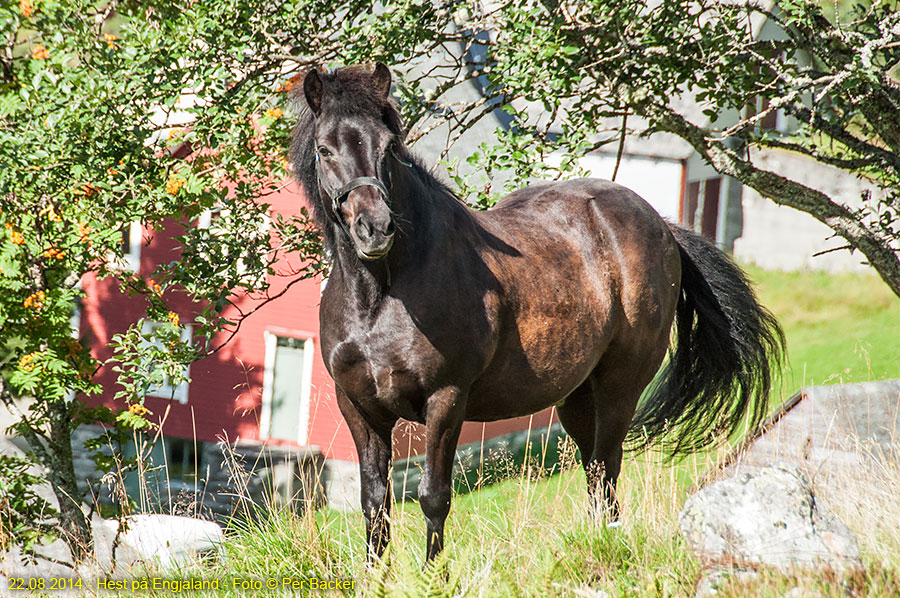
[[225, 393]]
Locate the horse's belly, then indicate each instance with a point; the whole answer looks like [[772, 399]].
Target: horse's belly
[[492, 400], [522, 381]]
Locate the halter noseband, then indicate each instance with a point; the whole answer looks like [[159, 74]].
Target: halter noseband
[[337, 196]]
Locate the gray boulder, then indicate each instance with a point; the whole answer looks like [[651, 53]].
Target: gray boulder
[[767, 517], [158, 542]]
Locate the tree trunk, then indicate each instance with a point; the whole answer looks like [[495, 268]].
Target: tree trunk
[[74, 526]]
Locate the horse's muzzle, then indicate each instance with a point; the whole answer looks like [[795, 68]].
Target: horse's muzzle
[[373, 255], [373, 237]]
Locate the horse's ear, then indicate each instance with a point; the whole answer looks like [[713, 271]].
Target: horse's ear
[[312, 89], [381, 78]]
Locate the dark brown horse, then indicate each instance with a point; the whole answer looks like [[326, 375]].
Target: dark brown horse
[[563, 294]]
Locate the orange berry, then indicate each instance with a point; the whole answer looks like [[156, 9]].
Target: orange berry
[[27, 361], [174, 184], [83, 231], [87, 190], [74, 347], [15, 236], [51, 214], [39, 52], [35, 301], [138, 409]]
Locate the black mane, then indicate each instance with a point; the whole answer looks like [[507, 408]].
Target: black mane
[[347, 91]]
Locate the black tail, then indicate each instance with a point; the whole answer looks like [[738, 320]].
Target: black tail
[[720, 367]]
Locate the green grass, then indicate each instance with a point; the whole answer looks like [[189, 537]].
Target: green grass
[[840, 328], [521, 537], [532, 536]]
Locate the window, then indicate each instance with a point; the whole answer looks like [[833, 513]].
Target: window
[[286, 388], [206, 218], [167, 390], [171, 465], [131, 246], [216, 221], [776, 120], [75, 327], [184, 458]]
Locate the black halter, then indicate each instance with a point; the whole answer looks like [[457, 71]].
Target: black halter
[[337, 196]]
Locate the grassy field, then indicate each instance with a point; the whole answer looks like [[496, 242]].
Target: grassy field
[[532, 537], [839, 328]]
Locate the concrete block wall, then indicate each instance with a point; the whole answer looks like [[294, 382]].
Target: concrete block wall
[[236, 480]]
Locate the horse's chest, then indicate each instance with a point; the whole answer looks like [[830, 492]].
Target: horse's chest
[[378, 380]]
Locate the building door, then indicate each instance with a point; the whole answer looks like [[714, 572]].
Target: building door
[[710, 214], [702, 207], [288, 364]]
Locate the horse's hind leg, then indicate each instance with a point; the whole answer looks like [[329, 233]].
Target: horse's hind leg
[[597, 415], [579, 416]]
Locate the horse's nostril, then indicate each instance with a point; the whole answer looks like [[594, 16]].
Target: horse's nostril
[[390, 228], [363, 226]]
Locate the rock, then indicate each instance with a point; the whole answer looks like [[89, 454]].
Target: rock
[[166, 540], [799, 592], [767, 517], [716, 577], [160, 541]]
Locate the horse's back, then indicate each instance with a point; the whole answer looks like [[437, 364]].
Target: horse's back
[[599, 219], [566, 198]]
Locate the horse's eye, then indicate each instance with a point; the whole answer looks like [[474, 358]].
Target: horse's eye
[[323, 151]]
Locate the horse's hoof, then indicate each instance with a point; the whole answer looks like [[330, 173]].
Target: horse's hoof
[[614, 524]]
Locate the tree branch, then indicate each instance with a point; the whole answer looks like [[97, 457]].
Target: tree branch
[[786, 192], [36, 440]]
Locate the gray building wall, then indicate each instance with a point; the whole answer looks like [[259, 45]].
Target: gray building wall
[[783, 238]]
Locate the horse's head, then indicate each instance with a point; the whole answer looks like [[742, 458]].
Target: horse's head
[[355, 126]]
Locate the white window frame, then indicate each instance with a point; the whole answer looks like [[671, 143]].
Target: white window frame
[[265, 416], [167, 391], [701, 206], [132, 257], [204, 218], [75, 327]]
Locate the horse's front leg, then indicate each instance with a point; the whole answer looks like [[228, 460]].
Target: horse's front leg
[[444, 415], [373, 445]]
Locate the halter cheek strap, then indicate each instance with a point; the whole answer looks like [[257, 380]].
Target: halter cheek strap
[[337, 197]]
